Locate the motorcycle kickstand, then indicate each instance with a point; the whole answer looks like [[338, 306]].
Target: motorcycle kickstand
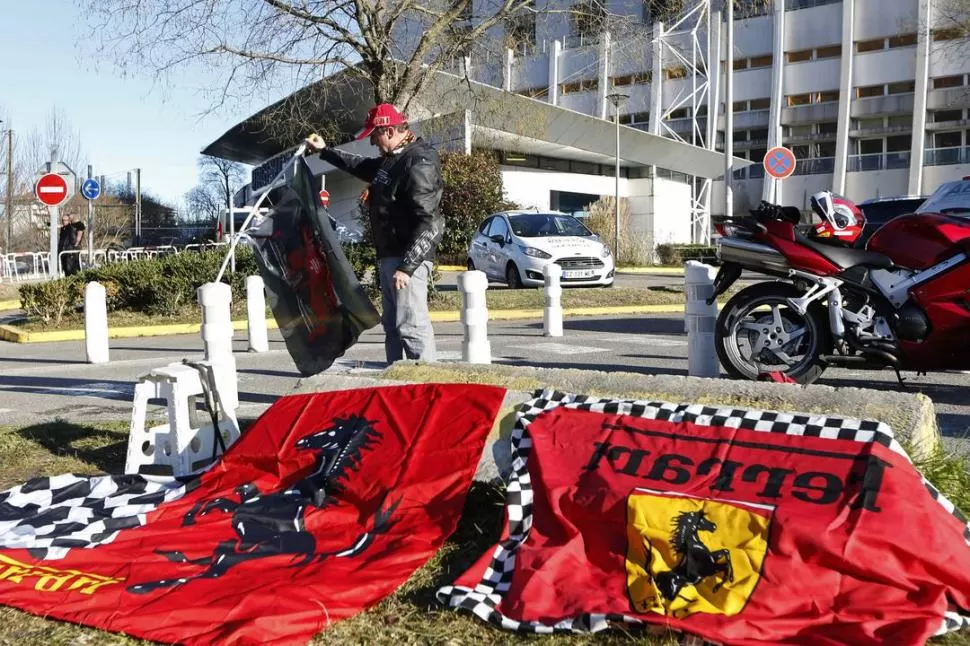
[[902, 381]]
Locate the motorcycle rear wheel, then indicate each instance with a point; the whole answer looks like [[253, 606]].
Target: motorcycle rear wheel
[[758, 332]]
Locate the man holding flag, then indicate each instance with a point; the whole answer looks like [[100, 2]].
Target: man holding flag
[[405, 187]]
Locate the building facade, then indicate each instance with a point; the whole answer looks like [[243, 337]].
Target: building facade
[[873, 96]]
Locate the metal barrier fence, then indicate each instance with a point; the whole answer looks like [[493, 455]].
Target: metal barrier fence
[[34, 266]]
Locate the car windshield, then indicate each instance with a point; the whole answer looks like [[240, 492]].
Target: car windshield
[[883, 211], [952, 197], [538, 225]]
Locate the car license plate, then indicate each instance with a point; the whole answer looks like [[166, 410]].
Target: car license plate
[[579, 273]]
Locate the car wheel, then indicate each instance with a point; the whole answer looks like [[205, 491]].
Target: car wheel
[[512, 277]]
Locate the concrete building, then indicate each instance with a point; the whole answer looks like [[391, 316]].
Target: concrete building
[[871, 95]]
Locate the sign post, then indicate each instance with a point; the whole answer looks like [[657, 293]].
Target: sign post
[[54, 187], [91, 190], [779, 163]]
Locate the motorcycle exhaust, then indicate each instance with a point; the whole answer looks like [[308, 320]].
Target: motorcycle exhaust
[[751, 255]]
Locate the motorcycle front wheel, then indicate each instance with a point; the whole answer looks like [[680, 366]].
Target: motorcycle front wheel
[[758, 331]]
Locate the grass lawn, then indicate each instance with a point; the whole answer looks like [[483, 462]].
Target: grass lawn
[[410, 616], [497, 299]]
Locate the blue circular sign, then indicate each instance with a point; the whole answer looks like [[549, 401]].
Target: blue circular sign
[[91, 189]]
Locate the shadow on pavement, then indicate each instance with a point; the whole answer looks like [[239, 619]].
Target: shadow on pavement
[[643, 325], [65, 387]]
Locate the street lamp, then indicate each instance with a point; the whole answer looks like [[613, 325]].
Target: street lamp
[[9, 202], [615, 98]]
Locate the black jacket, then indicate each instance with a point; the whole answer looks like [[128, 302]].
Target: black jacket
[[404, 195]]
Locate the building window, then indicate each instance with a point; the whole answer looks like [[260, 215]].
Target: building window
[[760, 104], [533, 92], [870, 146], [832, 51], [827, 97], [899, 143], [903, 40], [589, 19], [740, 135], [947, 81], [869, 124], [948, 34], [798, 131], [622, 81], [870, 45], [675, 73], [521, 32], [799, 56], [828, 128], [761, 61], [798, 99], [948, 139], [900, 121], [740, 64], [904, 87], [947, 115], [758, 134], [740, 106], [579, 86], [870, 91], [826, 149], [680, 113], [801, 152], [626, 118], [641, 117]]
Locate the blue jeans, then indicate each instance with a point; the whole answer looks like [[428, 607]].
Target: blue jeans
[[407, 326]]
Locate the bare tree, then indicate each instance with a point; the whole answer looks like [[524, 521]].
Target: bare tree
[[222, 176], [953, 16], [203, 204]]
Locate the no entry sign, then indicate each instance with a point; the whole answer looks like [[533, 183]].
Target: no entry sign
[[325, 198], [780, 162], [51, 189]]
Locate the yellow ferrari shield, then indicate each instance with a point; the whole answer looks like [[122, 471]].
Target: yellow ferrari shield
[[687, 555]]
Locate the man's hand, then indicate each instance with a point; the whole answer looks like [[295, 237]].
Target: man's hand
[[400, 279], [315, 143]]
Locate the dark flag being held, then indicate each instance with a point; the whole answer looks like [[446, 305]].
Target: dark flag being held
[[739, 526], [325, 506], [317, 301]]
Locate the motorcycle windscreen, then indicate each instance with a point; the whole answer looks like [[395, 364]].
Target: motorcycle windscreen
[[317, 301]]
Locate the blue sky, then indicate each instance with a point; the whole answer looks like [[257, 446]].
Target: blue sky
[[124, 123]]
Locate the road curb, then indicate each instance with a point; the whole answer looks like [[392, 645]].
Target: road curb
[[13, 334]]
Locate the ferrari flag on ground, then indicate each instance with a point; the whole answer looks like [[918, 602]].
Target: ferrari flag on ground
[[737, 526], [322, 508], [317, 301]]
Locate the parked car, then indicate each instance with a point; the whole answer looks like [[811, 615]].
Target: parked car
[[881, 210], [514, 246]]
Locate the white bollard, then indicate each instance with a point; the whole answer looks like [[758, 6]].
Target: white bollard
[[215, 299], [552, 313], [474, 317], [256, 314], [95, 323], [700, 320]]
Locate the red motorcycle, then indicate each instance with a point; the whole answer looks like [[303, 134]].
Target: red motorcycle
[[903, 302]]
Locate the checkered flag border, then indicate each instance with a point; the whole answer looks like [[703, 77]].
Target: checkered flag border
[[484, 599], [50, 516]]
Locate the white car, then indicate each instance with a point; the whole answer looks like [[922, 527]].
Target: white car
[[514, 246]]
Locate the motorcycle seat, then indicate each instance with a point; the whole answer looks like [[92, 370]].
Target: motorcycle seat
[[847, 257]]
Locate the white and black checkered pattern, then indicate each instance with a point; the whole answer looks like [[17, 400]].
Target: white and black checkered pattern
[[484, 599], [50, 516]]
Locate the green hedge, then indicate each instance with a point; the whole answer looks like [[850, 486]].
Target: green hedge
[[160, 286], [678, 254]]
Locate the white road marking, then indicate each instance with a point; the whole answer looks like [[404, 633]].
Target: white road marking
[[559, 348]]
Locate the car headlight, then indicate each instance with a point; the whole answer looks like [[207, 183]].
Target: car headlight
[[606, 253], [535, 253]]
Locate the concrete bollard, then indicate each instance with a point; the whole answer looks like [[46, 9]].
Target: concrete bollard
[[700, 320], [95, 323], [215, 299], [552, 313], [475, 347], [256, 314]]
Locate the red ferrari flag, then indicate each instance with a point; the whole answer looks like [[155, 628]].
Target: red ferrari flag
[[737, 526], [322, 508]]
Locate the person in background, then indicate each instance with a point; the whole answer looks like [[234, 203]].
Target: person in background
[[69, 239], [404, 196]]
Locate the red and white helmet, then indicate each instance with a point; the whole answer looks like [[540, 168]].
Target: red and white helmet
[[841, 219]]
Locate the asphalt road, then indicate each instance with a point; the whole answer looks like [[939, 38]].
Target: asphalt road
[[42, 382]]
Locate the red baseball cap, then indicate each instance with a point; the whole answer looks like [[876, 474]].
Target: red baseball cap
[[381, 116]]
